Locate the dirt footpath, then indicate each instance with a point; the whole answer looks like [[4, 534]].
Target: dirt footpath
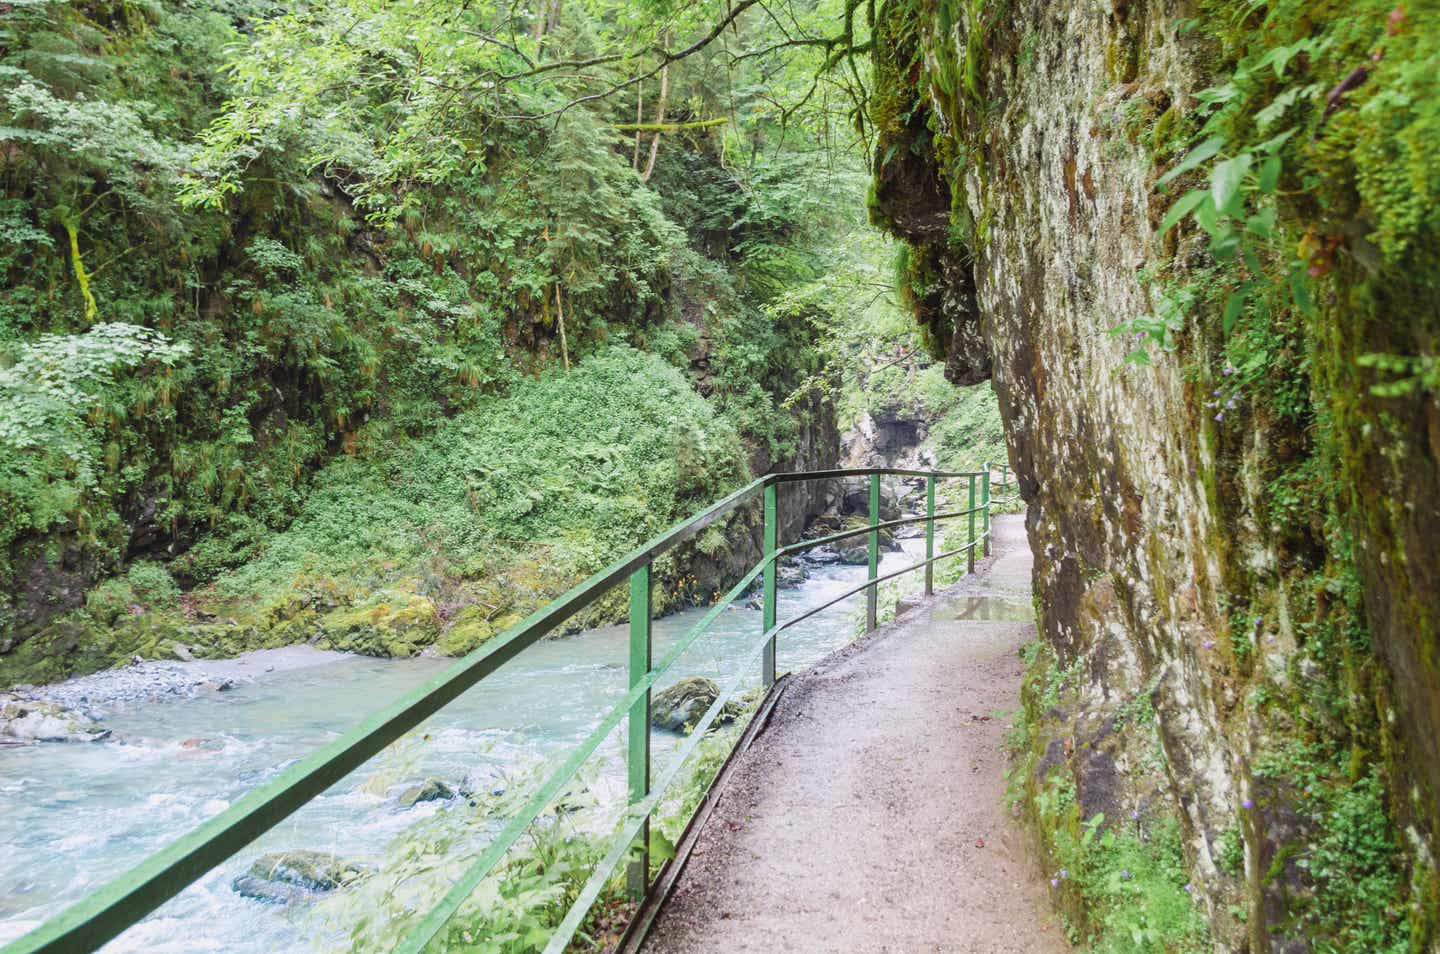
[[869, 816]]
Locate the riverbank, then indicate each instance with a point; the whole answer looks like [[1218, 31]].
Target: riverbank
[[75, 815], [156, 680]]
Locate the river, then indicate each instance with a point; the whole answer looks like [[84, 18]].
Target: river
[[72, 816]]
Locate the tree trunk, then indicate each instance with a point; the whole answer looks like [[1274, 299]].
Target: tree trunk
[[659, 119]]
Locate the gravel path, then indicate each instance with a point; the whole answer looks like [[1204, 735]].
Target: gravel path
[[869, 815]]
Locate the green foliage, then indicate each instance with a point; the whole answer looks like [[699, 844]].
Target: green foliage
[[369, 240], [585, 465], [52, 453], [1310, 145], [1122, 885], [1352, 856], [969, 432]]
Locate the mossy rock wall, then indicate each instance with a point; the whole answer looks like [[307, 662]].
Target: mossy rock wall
[[1237, 572]]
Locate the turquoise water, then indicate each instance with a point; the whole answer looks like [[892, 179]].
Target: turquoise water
[[74, 816]]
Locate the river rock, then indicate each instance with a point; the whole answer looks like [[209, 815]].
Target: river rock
[[430, 790], [855, 555], [791, 575], [677, 708], [285, 876], [821, 555], [25, 721], [857, 501]]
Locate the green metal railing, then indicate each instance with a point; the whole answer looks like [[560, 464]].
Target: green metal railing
[[130, 897]]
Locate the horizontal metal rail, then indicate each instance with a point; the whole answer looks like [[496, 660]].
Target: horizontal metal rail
[[871, 582], [127, 899], [801, 545]]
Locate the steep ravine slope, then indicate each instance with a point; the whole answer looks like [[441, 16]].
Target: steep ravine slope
[[1237, 543]]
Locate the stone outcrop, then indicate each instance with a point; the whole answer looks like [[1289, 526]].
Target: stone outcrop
[[283, 877], [430, 790], [23, 721], [1238, 593], [679, 707]]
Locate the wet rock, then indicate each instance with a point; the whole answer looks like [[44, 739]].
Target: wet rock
[[24, 721], [430, 790], [681, 706], [855, 555], [822, 555], [907, 603], [857, 501], [792, 575], [178, 651], [285, 876], [395, 622]]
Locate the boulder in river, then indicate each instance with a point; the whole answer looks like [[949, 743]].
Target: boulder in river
[[791, 575], [24, 721], [857, 501], [285, 876], [821, 555], [682, 705], [430, 790]]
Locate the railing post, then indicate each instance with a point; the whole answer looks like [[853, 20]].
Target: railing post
[[872, 593], [637, 875], [1004, 477], [970, 550], [772, 540], [929, 536], [985, 491]]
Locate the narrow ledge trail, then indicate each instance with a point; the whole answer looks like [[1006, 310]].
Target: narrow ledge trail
[[869, 815]]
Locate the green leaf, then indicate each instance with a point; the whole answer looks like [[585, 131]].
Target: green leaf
[[1252, 260], [1234, 306], [1262, 223], [1270, 175], [1183, 206], [1193, 158], [1208, 219], [1276, 141], [1226, 179], [1225, 246], [661, 847], [1299, 284], [1272, 113]]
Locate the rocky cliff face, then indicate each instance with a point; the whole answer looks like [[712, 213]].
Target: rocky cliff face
[[1237, 545]]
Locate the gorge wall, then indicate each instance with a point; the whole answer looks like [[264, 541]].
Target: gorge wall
[[1234, 516]]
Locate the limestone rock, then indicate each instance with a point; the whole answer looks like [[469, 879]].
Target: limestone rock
[[430, 790], [679, 707], [24, 721], [393, 622], [282, 877]]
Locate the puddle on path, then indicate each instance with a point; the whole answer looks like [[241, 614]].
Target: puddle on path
[[988, 609]]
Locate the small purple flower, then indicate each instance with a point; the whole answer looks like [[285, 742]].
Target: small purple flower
[[1124, 874], [1220, 416], [1054, 882], [1134, 814], [1248, 804], [1229, 369], [1209, 644], [1189, 889], [1064, 873]]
